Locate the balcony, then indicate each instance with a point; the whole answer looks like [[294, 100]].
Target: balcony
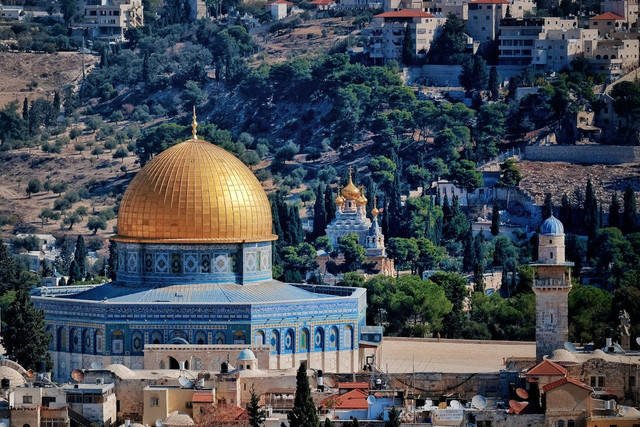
[[551, 283]]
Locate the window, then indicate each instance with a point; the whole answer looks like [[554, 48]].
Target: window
[[560, 423], [155, 401], [27, 399], [632, 381], [600, 382], [189, 405], [571, 423]]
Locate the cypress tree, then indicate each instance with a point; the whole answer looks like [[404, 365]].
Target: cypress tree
[[25, 109], [319, 215], [590, 213], [294, 230], [494, 84], [438, 199], [614, 211], [446, 210], [23, 333], [469, 255], [304, 410], [75, 275], [565, 211], [330, 205], [257, 415], [629, 214], [478, 276], [407, 48], [547, 206], [145, 68], [112, 262], [80, 256], [495, 220], [455, 206], [395, 207], [371, 196]]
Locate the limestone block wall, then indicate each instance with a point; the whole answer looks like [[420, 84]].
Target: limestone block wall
[[617, 377], [202, 357], [607, 154], [552, 322]]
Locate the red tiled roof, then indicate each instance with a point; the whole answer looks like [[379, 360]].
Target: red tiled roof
[[607, 16], [362, 385], [563, 381], [280, 2], [353, 399], [489, 2], [406, 13], [547, 368], [202, 397], [322, 2]]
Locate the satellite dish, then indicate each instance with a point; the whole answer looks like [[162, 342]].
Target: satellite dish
[[3, 424], [428, 403], [77, 375], [185, 382], [30, 374], [96, 365], [371, 399], [479, 402], [625, 409], [638, 340], [455, 404], [516, 407], [158, 423], [522, 393], [570, 347]]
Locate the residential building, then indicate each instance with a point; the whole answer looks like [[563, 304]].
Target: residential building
[[279, 9], [484, 18], [388, 32], [460, 8], [95, 402], [627, 9], [35, 406], [518, 37], [161, 401], [555, 50], [606, 23], [612, 57], [109, 19]]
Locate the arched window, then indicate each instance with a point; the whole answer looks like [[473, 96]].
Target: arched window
[[99, 347], [560, 423], [334, 337], [571, 423], [86, 342], [304, 339], [156, 337], [318, 339], [117, 342], [179, 334], [348, 337], [274, 342], [201, 338], [221, 338], [238, 337], [290, 342], [62, 338], [137, 342], [52, 343], [74, 341], [259, 338]]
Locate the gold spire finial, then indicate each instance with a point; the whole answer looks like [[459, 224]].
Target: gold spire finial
[[350, 173], [194, 124], [375, 211]]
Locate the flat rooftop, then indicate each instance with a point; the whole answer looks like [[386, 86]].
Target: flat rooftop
[[406, 355]]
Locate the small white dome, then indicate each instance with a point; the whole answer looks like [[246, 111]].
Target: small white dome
[[246, 354]]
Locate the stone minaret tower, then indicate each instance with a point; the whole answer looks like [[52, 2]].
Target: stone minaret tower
[[551, 286]]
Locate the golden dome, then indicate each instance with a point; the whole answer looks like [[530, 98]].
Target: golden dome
[[195, 192], [375, 212], [339, 200], [361, 200], [351, 191]]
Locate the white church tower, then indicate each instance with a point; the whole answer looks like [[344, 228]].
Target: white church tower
[[551, 286]]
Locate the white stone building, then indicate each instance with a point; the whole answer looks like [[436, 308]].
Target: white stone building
[[612, 57], [555, 50], [627, 9], [388, 32], [109, 19], [484, 18], [606, 23], [278, 9]]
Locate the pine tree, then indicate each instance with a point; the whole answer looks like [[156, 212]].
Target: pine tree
[[629, 215], [257, 415], [494, 84], [319, 215], [394, 418], [614, 211], [495, 220], [112, 262], [330, 205], [547, 206], [23, 334], [80, 256], [304, 412]]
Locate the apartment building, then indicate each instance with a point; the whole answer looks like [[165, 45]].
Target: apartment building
[[109, 19], [388, 32], [606, 23], [555, 50], [460, 8], [484, 18], [518, 37], [612, 57], [627, 9]]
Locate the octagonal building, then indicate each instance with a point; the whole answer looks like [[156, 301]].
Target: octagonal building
[[194, 267]]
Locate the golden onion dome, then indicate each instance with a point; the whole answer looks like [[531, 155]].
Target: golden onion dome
[[339, 200], [375, 212], [361, 200], [195, 192], [351, 192]]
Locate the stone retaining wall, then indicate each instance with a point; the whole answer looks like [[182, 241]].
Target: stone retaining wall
[[586, 154]]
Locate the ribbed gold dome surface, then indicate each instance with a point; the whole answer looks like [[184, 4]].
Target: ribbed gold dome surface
[[195, 192]]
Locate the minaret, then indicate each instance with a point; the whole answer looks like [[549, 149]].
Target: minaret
[[551, 286]]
